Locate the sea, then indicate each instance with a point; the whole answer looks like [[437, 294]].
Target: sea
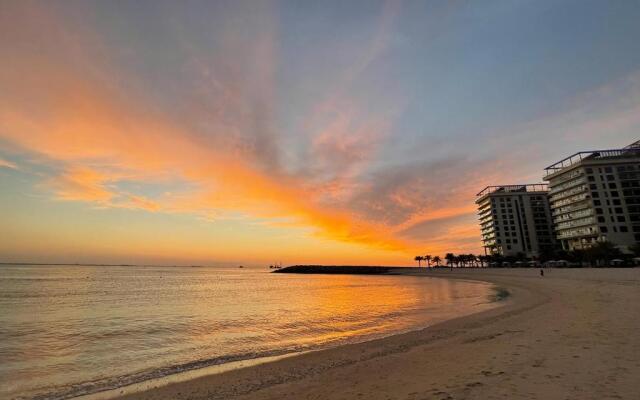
[[67, 331]]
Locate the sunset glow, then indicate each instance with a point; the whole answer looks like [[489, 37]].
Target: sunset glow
[[254, 133]]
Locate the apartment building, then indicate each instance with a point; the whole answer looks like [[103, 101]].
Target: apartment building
[[595, 196], [515, 219]]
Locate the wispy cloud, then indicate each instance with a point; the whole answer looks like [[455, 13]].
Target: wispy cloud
[[7, 164]]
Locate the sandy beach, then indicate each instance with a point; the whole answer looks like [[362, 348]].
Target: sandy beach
[[572, 334]]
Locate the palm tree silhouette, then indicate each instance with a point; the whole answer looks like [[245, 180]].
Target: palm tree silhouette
[[481, 259], [427, 258], [437, 260], [450, 258], [473, 260], [419, 259], [462, 259]]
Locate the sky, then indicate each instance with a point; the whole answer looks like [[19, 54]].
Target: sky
[[253, 132]]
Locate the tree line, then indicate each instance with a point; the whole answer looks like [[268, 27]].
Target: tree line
[[600, 254], [460, 260]]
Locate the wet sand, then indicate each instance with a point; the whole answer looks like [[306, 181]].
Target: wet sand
[[573, 334]]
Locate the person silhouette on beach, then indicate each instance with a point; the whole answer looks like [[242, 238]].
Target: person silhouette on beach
[[541, 272]]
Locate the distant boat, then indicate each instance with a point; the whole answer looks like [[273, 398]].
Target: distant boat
[[240, 266]]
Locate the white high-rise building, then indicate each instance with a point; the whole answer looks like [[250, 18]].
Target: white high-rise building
[[515, 219], [595, 196]]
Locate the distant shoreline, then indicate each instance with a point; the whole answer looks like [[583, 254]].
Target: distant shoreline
[[340, 269]]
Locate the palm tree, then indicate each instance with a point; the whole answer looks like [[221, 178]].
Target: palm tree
[[428, 258], [450, 258], [419, 260], [473, 260], [437, 260], [483, 260], [603, 252], [464, 259]]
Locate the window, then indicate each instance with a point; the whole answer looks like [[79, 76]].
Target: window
[[596, 202], [589, 170], [614, 193], [623, 229], [601, 219], [593, 186], [613, 186], [619, 210], [621, 218], [598, 210], [603, 229]]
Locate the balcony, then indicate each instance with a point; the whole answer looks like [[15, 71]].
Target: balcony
[[564, 194], [570, 200], [575, 223], [573, 215], [568, 209], [570, 183], [590, 231]]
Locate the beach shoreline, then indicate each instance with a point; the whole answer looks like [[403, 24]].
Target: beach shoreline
[[519, 350], [492, 299]]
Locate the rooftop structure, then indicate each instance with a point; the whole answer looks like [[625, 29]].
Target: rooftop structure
[[527, 187], [633, 150]]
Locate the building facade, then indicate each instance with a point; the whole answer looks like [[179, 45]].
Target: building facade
[[515, 219], [595, 196]]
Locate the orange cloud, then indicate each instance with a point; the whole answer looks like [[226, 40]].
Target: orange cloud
[[82, 184]]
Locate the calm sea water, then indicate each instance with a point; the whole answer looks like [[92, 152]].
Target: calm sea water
[[70, 330]]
